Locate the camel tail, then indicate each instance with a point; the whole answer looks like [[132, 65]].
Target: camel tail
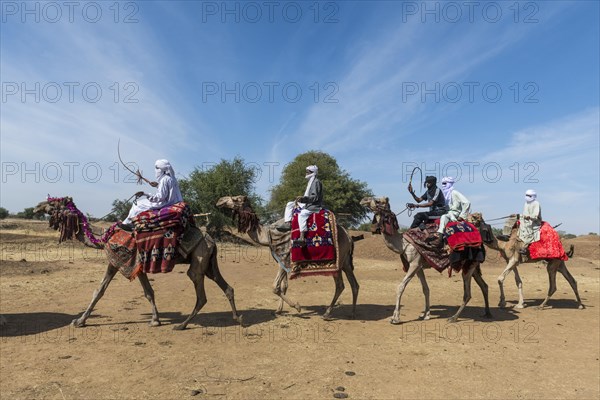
[[571, 251]]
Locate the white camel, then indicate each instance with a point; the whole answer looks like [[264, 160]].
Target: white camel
[[279, 243], [381, 208]]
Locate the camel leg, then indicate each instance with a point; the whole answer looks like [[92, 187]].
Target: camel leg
[[484, 289], [552, 267], [197, 277], [281, 274], [339, 288], [412, 270], [349, 271], [511, 264], [227, 290], [421, 275], [519, 282], [283, 286], [565, 272], [149, 294], [467, 291], [98, 293]]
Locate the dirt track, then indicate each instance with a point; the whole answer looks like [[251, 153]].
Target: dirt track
[[519, 354]]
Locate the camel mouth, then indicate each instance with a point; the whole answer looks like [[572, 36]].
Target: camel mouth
[[222, 202]]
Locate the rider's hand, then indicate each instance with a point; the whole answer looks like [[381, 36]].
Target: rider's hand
[[139, 194], [410, 188], [411, 205], [154, 184], [298, 199]]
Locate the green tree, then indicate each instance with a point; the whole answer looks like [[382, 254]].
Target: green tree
[[228, 178], [26, 213], [341, 193], [3, 213], [120, 210]]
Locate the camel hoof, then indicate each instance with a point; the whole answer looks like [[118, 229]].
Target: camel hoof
[[155, 323], [488, 315], [278, 312], [77, 323], [326, 317], [502, 304], [424, 316], [239, 320], [544, 307], [179, 327], [452, 319], [581, 307], [395, 321], [298, 308], [519, 306]]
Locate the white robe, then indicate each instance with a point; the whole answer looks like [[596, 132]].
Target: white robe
[[167, 193], [459, 207], [529, 230]]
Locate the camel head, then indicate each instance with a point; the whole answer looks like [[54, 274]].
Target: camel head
[[376, 204], [233, 202], [51, 204]]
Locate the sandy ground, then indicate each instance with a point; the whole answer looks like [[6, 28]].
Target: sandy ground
[[524, 353]]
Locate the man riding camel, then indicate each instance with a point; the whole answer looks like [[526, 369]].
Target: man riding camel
[[167, 193], [311, 202], [435, 201], [459, 207], [530, 221]]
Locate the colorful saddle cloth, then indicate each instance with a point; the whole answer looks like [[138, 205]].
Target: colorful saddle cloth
[[464, 246], [461, 234], [319, 256], [549, 245], [152, 247]]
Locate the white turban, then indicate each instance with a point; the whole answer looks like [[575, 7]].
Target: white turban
[[311, 174], [163, 167], [530, 195], [447, 188], [311, 171]]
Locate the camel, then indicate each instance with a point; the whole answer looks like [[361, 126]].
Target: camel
[[381, 208], [280, 245], [509, 251], [202, 262]]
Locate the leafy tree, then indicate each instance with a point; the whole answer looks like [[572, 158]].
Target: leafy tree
[[3, 213], [341, 193], [27, 213], [228, 178], [120, 210]]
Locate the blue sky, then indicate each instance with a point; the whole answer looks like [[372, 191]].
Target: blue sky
[[503, 95]]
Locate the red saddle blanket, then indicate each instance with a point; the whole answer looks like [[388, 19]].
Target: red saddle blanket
[[549, 245], [157, 234], [461, 234], [319, 238]]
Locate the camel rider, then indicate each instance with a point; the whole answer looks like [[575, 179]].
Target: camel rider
[[458, 208], [530, 221], [435, 201], [311, 202], [167, 193]]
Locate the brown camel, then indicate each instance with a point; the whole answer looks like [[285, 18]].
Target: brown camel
[[509, 251], [380, 206], [279, 244], [202, 261]]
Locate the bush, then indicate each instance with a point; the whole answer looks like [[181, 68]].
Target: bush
[[3, 213]]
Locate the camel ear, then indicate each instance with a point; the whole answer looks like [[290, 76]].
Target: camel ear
[[387, 200]]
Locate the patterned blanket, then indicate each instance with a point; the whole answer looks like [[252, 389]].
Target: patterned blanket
[[462, 234], [464, 246], [319, 256], [549, 245], [436, 257], [152, 247]]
